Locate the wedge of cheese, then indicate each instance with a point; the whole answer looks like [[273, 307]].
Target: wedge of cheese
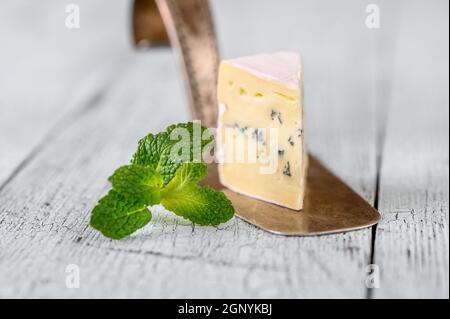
[[261, 134]]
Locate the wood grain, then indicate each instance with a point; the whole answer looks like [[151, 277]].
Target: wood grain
[[411, 245], [340, 104], [83, 119], [45, 228]]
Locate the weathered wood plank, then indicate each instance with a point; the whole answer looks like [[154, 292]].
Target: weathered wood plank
[[41, 221], [412, 247], [43, 229]]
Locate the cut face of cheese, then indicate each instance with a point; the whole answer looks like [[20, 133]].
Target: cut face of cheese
[[261, 135]]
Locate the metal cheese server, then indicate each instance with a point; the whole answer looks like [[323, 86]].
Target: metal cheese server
[[330, 205]]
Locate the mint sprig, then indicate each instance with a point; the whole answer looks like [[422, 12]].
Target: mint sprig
[[164, 170], [201, 205], [141, 183], [157, 151]]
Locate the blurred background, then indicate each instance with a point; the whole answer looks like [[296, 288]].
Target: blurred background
[[361, 70]]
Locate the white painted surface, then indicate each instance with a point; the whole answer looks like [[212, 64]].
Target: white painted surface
[[411, 245], [72, 106]]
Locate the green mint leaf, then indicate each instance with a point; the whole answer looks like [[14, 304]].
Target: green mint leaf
[[166, 151], [201, 205], [141, 183], [187, 173], [165, 169], [117, 216]]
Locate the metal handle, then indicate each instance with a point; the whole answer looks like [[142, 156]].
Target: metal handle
[[190, 28]]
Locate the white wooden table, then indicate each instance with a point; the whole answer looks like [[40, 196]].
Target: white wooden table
[[73, 104]]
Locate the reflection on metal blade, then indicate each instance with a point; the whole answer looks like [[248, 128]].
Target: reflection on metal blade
[[330, 206]]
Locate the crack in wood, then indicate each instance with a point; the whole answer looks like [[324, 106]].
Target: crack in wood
[[199, 257]]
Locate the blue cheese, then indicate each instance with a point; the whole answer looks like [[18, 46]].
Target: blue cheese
[[261, 140]]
